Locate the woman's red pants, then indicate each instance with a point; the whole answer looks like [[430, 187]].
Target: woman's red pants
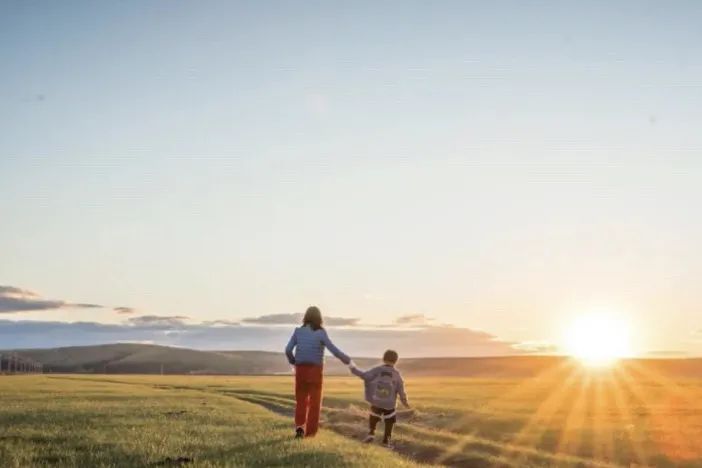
[[308, 397]]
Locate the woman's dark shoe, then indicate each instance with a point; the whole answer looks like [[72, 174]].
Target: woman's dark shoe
[[299, 433]]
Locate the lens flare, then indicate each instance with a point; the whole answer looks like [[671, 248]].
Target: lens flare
[[598, 339]]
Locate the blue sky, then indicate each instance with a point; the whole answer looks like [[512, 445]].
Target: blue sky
[[495, 166]]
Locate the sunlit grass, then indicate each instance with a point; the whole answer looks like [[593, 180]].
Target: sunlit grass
[[142, 422], [569, 415]]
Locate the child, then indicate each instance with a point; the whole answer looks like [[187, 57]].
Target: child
[[383, 384]]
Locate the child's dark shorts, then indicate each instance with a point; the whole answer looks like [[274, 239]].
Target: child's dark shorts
[[388, 415]]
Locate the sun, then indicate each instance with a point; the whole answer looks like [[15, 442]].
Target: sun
[[598, 339]]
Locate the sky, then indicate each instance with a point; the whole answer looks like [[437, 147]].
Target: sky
[[475, 174]]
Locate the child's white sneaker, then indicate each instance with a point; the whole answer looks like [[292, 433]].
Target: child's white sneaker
[[368, 439], [388, 445]]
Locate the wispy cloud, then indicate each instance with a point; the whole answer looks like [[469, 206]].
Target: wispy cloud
[[13, 299], [536, 347], [220, 323], [296, 319], [411, 335], [175, 331], [158, 321], [415, 320]]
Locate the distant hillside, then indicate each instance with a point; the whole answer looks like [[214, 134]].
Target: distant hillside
[[134, 358], [131, 358]]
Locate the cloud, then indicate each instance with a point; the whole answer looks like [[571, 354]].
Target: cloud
[[414, 320], [296, 319], [10, 290], [536, 347], [158, 321], [13, 299], [220, 323], [124, 310], [437, 341]]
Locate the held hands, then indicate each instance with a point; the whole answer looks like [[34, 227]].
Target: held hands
[[353, 367]]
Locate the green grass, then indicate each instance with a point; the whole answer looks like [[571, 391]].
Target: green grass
[[564, 418], [99, 422]]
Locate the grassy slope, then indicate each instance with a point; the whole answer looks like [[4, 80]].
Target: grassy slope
[[49, 420], [566, 417], [147, 359], [141, 358], [556, 420]]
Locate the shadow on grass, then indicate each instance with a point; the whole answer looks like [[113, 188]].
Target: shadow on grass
[[426, 444], [275, 458], [351, 424], [269, 405]]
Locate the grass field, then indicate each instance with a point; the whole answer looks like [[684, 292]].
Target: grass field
[[566, 417]]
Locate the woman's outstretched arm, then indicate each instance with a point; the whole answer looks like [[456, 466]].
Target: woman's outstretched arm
[[339, 354]]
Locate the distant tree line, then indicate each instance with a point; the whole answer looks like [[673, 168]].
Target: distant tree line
[[13, 363]]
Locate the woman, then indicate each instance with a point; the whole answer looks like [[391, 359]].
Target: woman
[[309, 342]]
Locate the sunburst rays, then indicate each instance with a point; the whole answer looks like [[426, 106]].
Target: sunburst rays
[[532, 431], [527, 386], [627, 414], [626, 407]]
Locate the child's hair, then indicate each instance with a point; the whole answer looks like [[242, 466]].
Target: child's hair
[[313, 318], [390, 356]]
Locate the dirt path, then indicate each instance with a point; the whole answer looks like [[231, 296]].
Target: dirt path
[[426, 444]]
